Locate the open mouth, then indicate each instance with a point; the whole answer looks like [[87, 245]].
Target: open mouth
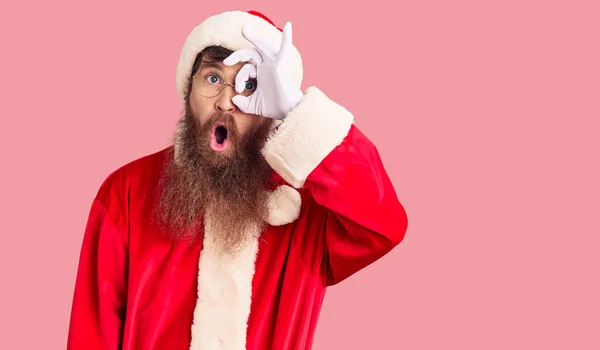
[[219, 139], [220, 134]]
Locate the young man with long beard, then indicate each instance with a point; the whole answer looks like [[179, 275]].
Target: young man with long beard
[[229, 238]]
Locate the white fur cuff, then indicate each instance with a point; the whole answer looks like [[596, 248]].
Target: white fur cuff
[[307, 135]]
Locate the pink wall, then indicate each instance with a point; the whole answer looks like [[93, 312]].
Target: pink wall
[[485, 114]]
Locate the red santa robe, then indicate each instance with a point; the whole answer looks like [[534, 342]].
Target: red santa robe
[[136, 289]]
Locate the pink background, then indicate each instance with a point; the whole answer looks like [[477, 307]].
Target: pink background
[[486, 114]]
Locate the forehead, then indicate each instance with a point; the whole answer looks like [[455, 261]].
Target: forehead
[[208, 63]]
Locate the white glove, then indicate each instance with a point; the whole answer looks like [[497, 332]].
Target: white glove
[[276, 94]]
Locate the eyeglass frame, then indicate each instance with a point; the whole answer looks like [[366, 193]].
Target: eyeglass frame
[[223, 84]]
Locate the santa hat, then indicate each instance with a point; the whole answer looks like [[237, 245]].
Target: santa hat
[[225, 29]]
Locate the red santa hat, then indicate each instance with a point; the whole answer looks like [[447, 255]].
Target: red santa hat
[[225, 29]]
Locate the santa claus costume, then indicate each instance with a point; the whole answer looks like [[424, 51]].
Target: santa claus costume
[[333, 212]]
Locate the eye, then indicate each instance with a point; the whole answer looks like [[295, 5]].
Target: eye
[[250, 86], [213, 78]]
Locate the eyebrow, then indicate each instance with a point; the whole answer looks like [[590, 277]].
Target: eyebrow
[[213, 64]]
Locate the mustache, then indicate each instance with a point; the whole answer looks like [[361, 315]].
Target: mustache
[[222, 117]]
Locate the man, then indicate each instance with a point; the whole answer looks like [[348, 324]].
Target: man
[[229, 238]]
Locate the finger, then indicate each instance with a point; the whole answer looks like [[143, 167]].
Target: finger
[[244, 55], [265, 49], [242, 102], [286, 41], [246, 72]]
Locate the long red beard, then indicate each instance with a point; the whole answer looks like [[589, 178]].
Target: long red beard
[[198, 180]]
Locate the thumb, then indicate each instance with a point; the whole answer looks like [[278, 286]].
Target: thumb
[[244, 103]]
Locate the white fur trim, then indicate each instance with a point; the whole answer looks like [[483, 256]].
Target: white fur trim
[[225, 29], [284, 206], [224, 294], [307, 135]]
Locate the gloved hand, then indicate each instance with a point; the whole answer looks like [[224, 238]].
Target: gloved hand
[[276, 93]]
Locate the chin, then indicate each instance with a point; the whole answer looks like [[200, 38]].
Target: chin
[[222, 158]]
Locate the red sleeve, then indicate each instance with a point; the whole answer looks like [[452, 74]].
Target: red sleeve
[[98, 309], [319, 148]]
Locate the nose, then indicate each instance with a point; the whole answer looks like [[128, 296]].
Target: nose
[[224, 102]]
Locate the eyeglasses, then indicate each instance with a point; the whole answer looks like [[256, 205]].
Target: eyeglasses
[[209, 82]]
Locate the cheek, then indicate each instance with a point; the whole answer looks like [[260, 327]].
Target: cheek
[[201, 111], [202, 117], [247, 122]]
